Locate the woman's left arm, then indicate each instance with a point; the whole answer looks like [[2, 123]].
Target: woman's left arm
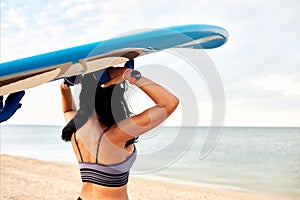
[[68, 105]]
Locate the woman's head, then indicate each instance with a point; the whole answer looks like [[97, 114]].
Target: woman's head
[[109, 104]]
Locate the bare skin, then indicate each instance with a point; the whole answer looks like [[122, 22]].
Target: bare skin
[[112, 147]]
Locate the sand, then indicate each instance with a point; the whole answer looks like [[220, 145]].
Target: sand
[[27, 179]]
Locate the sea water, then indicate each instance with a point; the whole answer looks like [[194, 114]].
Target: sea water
[[264, 160]]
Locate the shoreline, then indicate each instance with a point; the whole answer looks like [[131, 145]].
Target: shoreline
[[161, 178], [26, 178]]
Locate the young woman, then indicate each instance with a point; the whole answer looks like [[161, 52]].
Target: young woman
[[103, 131]]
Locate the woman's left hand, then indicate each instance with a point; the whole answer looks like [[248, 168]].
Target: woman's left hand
[[116, 76]]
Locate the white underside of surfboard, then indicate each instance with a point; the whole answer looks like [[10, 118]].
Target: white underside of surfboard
[[30, 82]]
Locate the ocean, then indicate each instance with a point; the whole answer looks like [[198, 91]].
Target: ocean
[[264, 160]]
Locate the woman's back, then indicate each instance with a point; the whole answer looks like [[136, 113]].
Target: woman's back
[[104, 166]]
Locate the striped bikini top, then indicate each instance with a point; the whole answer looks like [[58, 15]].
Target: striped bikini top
[[114, 175]]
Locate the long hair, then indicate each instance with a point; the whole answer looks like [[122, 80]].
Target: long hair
[[109, 104]]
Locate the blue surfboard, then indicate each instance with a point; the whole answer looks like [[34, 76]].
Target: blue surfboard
[[32, 71], [19, 75]]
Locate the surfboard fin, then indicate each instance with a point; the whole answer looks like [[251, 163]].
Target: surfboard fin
[[12, 104], [101, 75]]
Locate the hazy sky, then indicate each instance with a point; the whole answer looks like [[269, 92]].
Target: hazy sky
[[259, 65]]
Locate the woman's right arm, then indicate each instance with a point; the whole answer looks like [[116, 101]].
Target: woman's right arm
[[134, 126], [68, 106]]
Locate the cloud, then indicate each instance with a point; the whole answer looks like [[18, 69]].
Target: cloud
[[73, 11], [283, 84]]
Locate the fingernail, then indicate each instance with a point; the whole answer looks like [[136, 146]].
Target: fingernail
[[102, 85]]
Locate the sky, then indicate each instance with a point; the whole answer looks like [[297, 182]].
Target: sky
[[258, 66]]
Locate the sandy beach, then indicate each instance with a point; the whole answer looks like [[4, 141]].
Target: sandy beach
[[27, 179]]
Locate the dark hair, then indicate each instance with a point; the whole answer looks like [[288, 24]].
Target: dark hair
[[109, 104]]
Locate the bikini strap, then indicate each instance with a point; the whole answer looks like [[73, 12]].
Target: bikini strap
[[100, 138], [78, 147]]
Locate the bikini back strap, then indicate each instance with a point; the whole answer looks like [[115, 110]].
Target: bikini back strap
[[78, 147], [100, 138]]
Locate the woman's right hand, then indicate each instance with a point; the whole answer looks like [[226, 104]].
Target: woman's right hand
[[64, 86]]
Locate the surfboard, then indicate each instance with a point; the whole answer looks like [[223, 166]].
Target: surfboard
[[19, 75], [30, 72]]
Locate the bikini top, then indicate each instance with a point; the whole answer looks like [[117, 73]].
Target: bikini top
[[114, 175]]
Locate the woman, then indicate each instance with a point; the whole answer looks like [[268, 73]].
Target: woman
[[103, 131]]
